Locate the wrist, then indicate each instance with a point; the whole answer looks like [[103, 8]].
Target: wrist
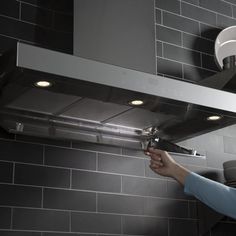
[[180, 173]]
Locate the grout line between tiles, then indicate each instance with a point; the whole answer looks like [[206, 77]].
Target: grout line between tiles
[[20, 10], [11, 225], [42, 197], [13, 172], [99, 213]]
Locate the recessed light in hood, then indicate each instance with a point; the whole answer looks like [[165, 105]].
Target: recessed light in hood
[[136, 102], [42, 84], [214, 118]]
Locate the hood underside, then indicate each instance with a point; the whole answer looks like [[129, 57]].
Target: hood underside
[[89, 101]]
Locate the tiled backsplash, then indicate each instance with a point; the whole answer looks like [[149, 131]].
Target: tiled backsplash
[[63, 188], [186, 31], [47, 24]]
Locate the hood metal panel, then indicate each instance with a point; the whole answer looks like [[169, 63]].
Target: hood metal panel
[[77, 68], [42, 101], [94, 110], [89, 101]]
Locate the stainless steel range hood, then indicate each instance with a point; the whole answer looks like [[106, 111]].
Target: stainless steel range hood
[[89, 101]]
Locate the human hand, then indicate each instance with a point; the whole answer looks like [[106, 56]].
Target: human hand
[[161, 162]]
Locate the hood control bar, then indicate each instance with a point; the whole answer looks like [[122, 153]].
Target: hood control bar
[[153, 140]]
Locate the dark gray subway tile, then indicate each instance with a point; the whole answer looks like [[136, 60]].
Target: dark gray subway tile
[[170, 68], [224, 21], [180, 23], [168, 35], [55, 40], [209, 32], [234, 11], [21, 152], [196, 74], [158, 52], [12, 195], [53, 142], [42, 176], [224, 229], [69, 200], [9, 8], [169, 5], [96, 147], [63, 22], [41, 220], [120, 164], [44, 4], [17, 29], [144, 187], [197, 43], [166, 208], [6, 172], [229, 145], [208, 62], [198, 13], [133, 152], [96, 181], [136, 225], [193, 210], [70, 158], [214, 159], [195, 2], [61, 6], [183, 227], [5, 218], [176, 191], [19, 233], [217, 6], [36, 15], [158, 16], [95, 223], [110, 203], [182, 55]]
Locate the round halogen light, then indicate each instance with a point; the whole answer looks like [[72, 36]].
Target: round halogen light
[[42, 84], [214, 118], [136, 102]]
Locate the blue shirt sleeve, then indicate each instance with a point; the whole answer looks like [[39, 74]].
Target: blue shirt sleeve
[[219, 197]]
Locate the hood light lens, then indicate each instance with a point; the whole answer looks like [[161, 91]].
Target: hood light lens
[[42, 84], [136, 102], [214, 118]]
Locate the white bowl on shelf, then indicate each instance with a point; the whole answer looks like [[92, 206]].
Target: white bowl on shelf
[[225, 45]]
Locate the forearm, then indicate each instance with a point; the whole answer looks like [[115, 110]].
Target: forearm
[[180, 173], [217, 196]]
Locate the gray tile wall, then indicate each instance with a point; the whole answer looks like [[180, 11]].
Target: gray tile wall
[[55, 187], [47, 24], [185, 32], [48, 190]]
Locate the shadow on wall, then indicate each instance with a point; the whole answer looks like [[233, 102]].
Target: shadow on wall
[[206, 47], [54, 24]]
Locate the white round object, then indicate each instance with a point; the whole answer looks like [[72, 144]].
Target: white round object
[[225, 44]]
